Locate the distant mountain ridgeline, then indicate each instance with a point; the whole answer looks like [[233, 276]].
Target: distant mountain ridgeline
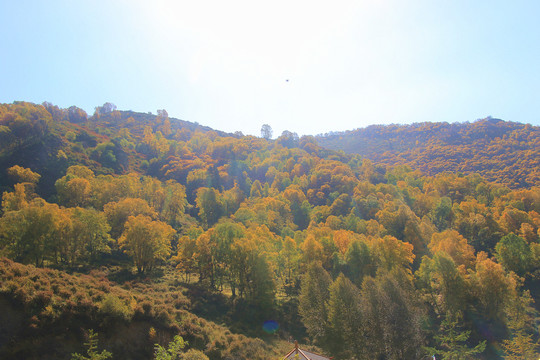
[[501, 151], [49, 139]]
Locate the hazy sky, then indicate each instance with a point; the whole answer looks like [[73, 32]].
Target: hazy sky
[[304, 66]]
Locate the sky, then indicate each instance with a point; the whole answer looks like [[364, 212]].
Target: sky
[[309, 67]]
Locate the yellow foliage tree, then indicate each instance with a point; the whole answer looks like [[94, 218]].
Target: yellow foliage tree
[[146, 240], [455, 245]]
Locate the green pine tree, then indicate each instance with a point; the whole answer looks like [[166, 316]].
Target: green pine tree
[[91, 350], [452, 342]]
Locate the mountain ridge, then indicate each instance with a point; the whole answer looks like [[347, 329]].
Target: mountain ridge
[[502, 151]]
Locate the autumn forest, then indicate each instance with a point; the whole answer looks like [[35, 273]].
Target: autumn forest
[[127, 235]]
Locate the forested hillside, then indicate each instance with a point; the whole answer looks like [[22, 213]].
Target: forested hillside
[[500, 151], [143, 227]]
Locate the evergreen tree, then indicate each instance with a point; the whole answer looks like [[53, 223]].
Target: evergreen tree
[[345, 319], [314, 296], [452, 342], [91, 351]]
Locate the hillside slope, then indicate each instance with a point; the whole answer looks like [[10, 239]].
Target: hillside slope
[[504, 152], [44, 314], [188, 227]]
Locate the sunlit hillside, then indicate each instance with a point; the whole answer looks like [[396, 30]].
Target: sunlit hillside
[[168, 240], [503, 152]]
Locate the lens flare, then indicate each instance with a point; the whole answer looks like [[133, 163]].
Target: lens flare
[[270, 326]]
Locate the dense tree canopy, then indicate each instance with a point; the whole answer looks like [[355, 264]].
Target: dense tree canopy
[[503, 152], [363, 259]]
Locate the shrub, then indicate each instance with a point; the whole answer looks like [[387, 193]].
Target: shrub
[[193, 354], [113, 306]]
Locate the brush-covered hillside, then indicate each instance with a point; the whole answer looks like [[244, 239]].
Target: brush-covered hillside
[[501, 151], [172, 240]]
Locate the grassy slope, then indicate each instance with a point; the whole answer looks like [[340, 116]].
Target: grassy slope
[[44, 313]]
